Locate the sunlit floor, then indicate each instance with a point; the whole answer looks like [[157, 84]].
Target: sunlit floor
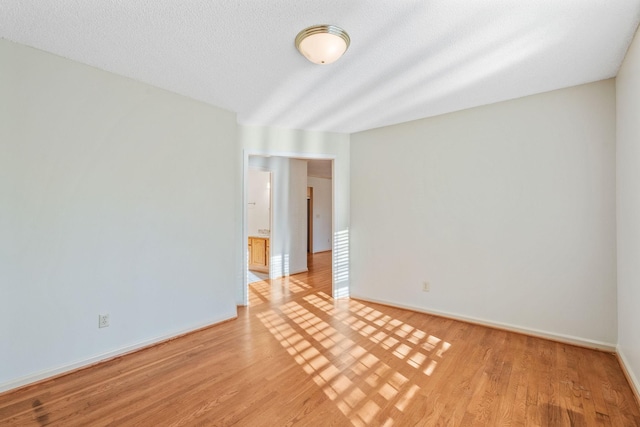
[[296, 356], [385, 366]]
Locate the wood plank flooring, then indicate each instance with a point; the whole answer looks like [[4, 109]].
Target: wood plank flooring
[[297, 357]]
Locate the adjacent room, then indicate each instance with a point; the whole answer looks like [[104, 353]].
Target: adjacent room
[[320, 213]]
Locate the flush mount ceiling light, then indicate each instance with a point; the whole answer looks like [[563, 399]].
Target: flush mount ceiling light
[[322, 44]]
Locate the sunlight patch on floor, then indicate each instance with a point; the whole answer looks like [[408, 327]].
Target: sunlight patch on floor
[[352, 401], [268, 290], [369, 364], [336, 363], [404, 341]]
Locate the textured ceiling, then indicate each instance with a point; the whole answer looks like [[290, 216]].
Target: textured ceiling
[[407, 60]]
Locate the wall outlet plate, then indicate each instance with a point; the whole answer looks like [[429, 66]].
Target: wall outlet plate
[[426, 287], [103, 320]]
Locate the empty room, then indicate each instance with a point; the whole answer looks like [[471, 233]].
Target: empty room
[[252, 213]]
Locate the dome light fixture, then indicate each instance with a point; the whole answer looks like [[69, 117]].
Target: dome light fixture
[[322, 44]]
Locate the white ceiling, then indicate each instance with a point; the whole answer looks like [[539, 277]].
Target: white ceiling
[[408, 59]]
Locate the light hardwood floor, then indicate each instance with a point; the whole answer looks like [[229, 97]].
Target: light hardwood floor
[[297, 357]]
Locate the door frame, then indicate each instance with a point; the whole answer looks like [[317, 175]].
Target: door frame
[[309, 219], [246, 153]]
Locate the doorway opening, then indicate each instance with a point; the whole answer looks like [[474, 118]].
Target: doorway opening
[[258, 224], [300, 216]]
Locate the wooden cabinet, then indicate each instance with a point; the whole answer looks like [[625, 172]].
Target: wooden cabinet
[[259, 254]]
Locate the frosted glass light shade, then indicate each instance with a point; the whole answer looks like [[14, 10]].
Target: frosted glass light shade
[[322, 44]]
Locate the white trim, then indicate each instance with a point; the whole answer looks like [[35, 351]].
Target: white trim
[[567, 339], [48, 373], [633, 380]]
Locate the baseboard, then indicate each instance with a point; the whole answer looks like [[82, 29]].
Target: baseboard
[[322, 251], [631, 378], [291, 273], [49, 374], [565, 339]]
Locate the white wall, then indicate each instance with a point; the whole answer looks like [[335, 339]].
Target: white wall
[[321, 213], [258, 202], [115, 197], [298, 143], [297, 221], [628, 209], [508, 210]]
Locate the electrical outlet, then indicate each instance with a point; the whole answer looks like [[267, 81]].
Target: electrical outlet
[[103, 320], [426, 287]]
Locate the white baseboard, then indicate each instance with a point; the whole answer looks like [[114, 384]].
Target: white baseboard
[[322, 251], [291, 273], [567, 339], [633, 380], [50, 373]]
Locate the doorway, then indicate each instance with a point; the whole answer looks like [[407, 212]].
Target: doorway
[[297, 227], [258, 224]]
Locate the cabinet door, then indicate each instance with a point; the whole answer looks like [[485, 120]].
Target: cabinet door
[[259, 247]]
